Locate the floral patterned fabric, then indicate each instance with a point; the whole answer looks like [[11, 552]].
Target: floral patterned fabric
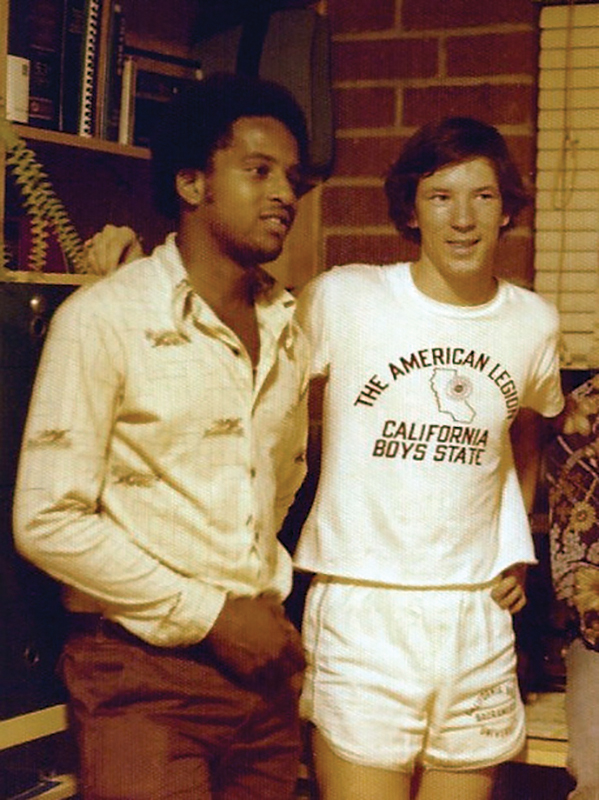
[[572, 470]]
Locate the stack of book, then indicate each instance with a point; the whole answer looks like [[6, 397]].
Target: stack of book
[[149, 79], [70, 70]]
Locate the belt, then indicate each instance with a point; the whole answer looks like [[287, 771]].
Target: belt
[[87, 624]]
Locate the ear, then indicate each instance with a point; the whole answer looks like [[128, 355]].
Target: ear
[[191, 186], [413, 222], [505, 220]]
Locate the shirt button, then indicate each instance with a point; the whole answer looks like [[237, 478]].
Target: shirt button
[[253, 472]]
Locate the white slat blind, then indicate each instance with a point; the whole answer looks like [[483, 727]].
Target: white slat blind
[[567, 204]]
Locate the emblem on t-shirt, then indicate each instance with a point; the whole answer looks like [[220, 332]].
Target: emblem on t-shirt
[[451, 390]]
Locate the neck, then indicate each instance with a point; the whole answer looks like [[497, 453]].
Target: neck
[[230, 289], [471, 290], [220, 281]]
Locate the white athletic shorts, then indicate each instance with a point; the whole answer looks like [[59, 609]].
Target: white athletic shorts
[[400, 676]]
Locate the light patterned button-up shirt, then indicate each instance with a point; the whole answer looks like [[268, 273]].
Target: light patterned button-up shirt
[[157, 466]]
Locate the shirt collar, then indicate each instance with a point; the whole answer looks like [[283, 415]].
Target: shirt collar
[[275, 307]]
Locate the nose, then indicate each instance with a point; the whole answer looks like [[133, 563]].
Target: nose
[[462, 217], [282, 189]]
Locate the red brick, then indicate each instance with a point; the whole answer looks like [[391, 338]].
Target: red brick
[[523, 150], [354, 205], [361, 248], [514, 259], [349, 17], [384, 58], [431, 14], [363, 108], [492, 54], [366, 156], [507, 104]]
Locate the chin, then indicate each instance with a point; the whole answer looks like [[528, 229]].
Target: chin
[[469, 267], [267, 255], [253, 257]]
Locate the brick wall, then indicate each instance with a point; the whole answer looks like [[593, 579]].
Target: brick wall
[[396, 65]]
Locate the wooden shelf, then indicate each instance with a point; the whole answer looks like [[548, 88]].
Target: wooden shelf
[[84, 142], [31, 276], [35, 725]]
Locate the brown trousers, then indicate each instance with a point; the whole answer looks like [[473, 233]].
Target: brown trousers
[[158, 724]]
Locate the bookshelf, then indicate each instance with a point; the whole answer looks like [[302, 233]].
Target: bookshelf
[[72, 140], [118, 175]]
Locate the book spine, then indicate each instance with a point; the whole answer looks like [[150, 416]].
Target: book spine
[[89, 63], [44, 25], [127, 105], [18, 27], [72, 42], [113, 74], [17, 89], [157, 81]]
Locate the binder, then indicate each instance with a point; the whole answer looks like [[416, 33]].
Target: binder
[[89, 63], [17, 89], [110, 71], [127, 107], [35, 29]]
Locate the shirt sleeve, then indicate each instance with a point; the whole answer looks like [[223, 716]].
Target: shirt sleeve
[[59, 521], [544, 393], [313, 319], [292, 460]]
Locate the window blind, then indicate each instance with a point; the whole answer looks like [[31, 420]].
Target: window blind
[[567, 198]]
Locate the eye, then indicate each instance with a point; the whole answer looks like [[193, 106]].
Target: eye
[[440, 197], [260, 170]]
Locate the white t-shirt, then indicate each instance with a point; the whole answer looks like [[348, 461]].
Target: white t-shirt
[[418, 485]]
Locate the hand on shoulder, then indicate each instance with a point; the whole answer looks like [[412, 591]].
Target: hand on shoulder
[[112, 247]]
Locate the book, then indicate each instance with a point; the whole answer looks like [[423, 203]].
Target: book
[[17, 63], [71, 55], [110, 71], [127, 104], [18, 28], [152, 79], [41, 45], [17, 88], [89, 67], [152, 90]]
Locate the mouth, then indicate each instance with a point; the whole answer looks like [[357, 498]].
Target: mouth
[[462, 245], [277, 222]]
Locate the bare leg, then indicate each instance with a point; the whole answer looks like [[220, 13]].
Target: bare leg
[[339, 779], [470, 785]]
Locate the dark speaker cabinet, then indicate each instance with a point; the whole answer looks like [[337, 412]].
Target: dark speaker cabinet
[[31, 618]]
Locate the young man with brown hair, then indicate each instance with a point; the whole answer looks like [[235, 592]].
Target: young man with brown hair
[[432, 370]]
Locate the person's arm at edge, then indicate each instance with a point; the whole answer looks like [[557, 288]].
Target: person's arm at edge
[[527, 435]]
